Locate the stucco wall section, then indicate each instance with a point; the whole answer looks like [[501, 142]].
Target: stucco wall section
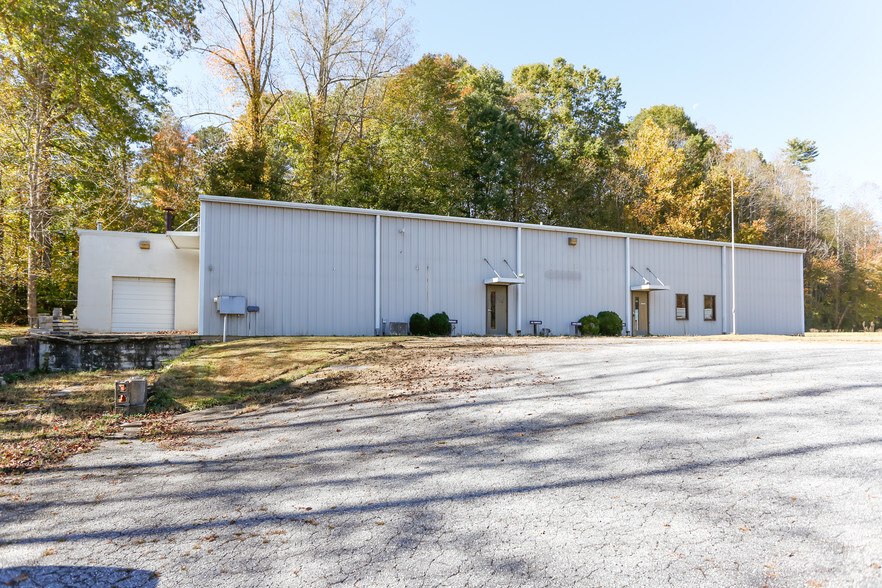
[[106, 254]]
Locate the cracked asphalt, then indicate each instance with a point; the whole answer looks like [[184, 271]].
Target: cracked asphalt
[[571, 463]]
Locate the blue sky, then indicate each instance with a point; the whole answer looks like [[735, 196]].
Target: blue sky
[[760, 71]]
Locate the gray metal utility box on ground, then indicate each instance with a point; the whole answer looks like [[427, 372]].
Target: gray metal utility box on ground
[[130, 396]]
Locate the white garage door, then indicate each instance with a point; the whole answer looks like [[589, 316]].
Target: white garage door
[[143, 305]]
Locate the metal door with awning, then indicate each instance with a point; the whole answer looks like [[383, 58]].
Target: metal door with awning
[[640, 301], [496, 289]]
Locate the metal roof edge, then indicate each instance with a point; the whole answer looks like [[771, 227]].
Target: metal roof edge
[[117, 233], [479, 221]]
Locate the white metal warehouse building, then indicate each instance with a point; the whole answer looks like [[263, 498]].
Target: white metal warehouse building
[[304, 269]]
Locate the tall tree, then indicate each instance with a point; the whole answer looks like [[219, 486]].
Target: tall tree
[[71, 67], [800, 153], [664, 203], [574, 117], [423, 141], [493, 142], [340, 49], [170, 173], [241, 44]]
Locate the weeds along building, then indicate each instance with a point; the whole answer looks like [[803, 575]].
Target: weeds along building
[[279, 268]]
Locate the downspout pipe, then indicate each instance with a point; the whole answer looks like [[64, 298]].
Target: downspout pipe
[[802, 290], [519, 291], [724, 315], [629, 328], [378, 328], [732, 187], [203, 274]]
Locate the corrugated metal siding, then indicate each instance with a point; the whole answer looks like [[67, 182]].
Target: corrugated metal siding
[[312, 273], [566, 282], [452, 256], [309, 272], [768, 292], [688, 269]]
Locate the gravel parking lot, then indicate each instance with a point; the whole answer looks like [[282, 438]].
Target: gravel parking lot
[[494, 463]]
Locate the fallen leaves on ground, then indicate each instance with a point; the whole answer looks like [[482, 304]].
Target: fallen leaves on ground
[[162, 428], [40, 440]]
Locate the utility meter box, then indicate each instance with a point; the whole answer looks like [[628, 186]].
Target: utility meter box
[[230, 304], [130, 396]]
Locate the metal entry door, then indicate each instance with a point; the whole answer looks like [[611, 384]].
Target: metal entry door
[[497, 310], [640, 313]]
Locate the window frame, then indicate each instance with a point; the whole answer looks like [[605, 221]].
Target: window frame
[[713, 307], [685, 307]]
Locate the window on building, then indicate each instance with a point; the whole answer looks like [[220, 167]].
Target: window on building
[[682, 307], [710, 307]]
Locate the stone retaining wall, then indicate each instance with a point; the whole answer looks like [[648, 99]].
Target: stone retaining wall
[[21, 357], [93, 352]]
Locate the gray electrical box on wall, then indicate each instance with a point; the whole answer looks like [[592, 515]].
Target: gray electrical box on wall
[[230, 304]]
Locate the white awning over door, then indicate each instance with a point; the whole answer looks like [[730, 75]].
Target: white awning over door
[[143, 305]]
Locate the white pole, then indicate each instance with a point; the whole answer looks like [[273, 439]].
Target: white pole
[[225, 329], [732, 189]]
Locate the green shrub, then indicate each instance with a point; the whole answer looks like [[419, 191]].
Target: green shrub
[[590, 325], [419, 324], [610, 323], [439, 324]]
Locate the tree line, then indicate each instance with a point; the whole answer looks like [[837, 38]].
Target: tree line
[[331, 110]]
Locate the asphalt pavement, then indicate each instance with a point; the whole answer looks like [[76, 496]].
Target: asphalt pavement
[[584, 463]]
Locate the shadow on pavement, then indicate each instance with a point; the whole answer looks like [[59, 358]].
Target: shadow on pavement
[[98, 577]]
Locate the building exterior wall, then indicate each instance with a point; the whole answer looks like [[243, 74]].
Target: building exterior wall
[[432, 266], [768, 292], [332, 271], [309, 272], [108, 254], [695, 270], [565, 282]]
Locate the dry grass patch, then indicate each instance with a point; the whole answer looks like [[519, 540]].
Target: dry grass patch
[[7, 332], [32, 442], [46, 418], [249, 370]]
